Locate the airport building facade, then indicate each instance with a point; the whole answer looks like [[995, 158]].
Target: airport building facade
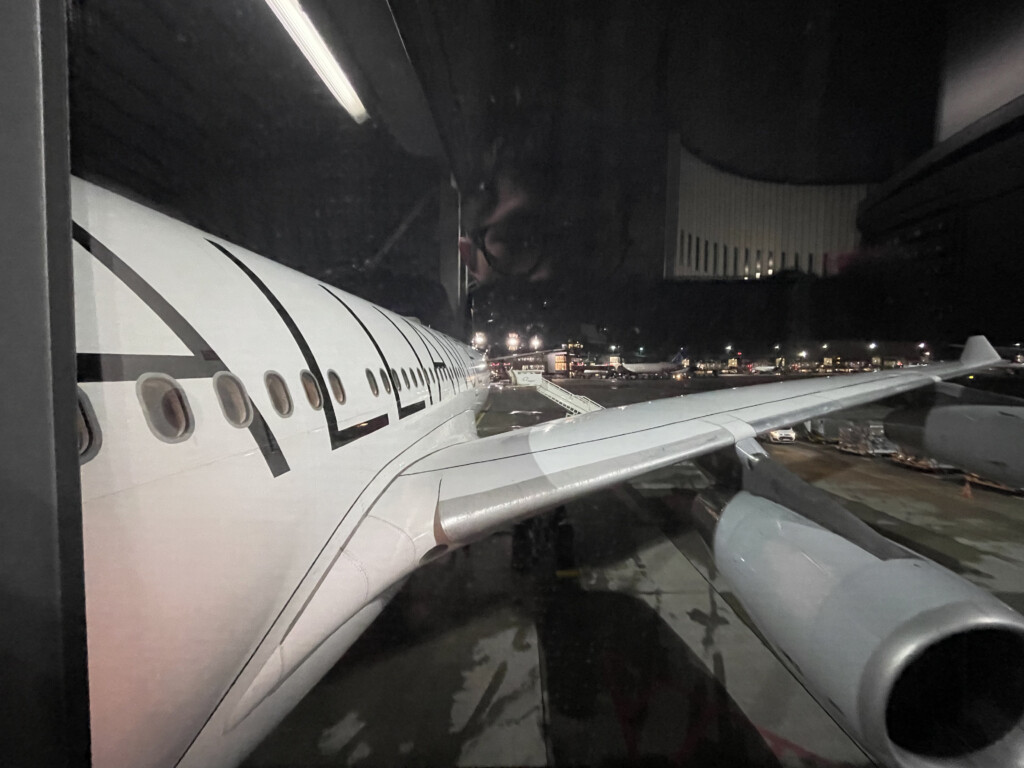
[[735, 228]]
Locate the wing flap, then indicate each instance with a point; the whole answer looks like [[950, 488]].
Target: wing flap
[[468, 508], [492, 482]]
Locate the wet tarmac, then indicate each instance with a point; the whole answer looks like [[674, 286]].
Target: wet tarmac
[[601, 635]]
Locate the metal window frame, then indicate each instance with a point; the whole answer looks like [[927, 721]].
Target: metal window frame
[[44, 675]]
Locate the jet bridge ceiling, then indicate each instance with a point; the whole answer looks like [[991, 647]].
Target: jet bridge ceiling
[[205, 108]]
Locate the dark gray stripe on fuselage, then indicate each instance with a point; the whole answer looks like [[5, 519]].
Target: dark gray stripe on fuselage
[[380, 352], [429, 346], [204, 363], [97, 366], [300, 341], [414, 352]]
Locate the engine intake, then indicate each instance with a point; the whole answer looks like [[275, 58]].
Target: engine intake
[[960, 696], [921, 666]]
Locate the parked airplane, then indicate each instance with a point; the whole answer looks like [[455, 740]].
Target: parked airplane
[[265, 458], [653, 369]]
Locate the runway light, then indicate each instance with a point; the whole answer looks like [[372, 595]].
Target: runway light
[[313, 47], [824, 346], [728, 347], [922, 345], [872, 345], [803, 353]]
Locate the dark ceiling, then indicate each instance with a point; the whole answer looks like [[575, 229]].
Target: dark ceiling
[[207, 110]]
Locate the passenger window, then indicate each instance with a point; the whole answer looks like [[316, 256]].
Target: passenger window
[[312, 390], [394, 378], [405, 378], [373, 382], [385, 380], [419, 373], [279, 395], [89, 437], [233, 399], [165, 407], [336, 388]]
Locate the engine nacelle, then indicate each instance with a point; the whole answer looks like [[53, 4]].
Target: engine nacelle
[[922, 667], [984, 439]]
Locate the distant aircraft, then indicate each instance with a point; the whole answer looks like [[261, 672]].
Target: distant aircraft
[[652, 369], [266, 458]]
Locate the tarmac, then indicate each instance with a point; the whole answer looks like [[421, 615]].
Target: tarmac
[[600, 634]]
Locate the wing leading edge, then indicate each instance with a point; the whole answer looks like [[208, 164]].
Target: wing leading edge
[[489, 483]]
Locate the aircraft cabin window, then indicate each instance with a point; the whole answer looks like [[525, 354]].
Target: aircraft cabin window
[[385, 380], [394, 378], [278, 391], [373, 382], [165, 407], [233, 399], [312, 390], [336, 388], [419, 373], [405, 378], [88, 429]]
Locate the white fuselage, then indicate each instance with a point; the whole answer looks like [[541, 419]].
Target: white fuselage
[[651, 369], [227, 571]]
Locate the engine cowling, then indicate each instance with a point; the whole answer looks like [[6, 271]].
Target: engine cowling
[[984, 439], [922, 667]]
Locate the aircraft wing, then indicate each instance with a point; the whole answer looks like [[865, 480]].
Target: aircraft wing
[[489, 483]]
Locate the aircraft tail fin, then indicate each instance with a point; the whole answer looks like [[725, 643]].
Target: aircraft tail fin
[[978, 352], [678, 358]]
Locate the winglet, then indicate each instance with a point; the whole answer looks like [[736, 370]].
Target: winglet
[[978, 353]]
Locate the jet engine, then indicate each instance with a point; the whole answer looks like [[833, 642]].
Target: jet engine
[[984, 439], [921, 667]]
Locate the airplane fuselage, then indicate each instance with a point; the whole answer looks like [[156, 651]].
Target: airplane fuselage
[[241, 423]]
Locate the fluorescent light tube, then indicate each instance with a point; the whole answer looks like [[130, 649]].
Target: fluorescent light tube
[[313, 47]]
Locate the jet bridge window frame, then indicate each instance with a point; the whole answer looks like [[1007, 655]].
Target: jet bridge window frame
[[167, 410]]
